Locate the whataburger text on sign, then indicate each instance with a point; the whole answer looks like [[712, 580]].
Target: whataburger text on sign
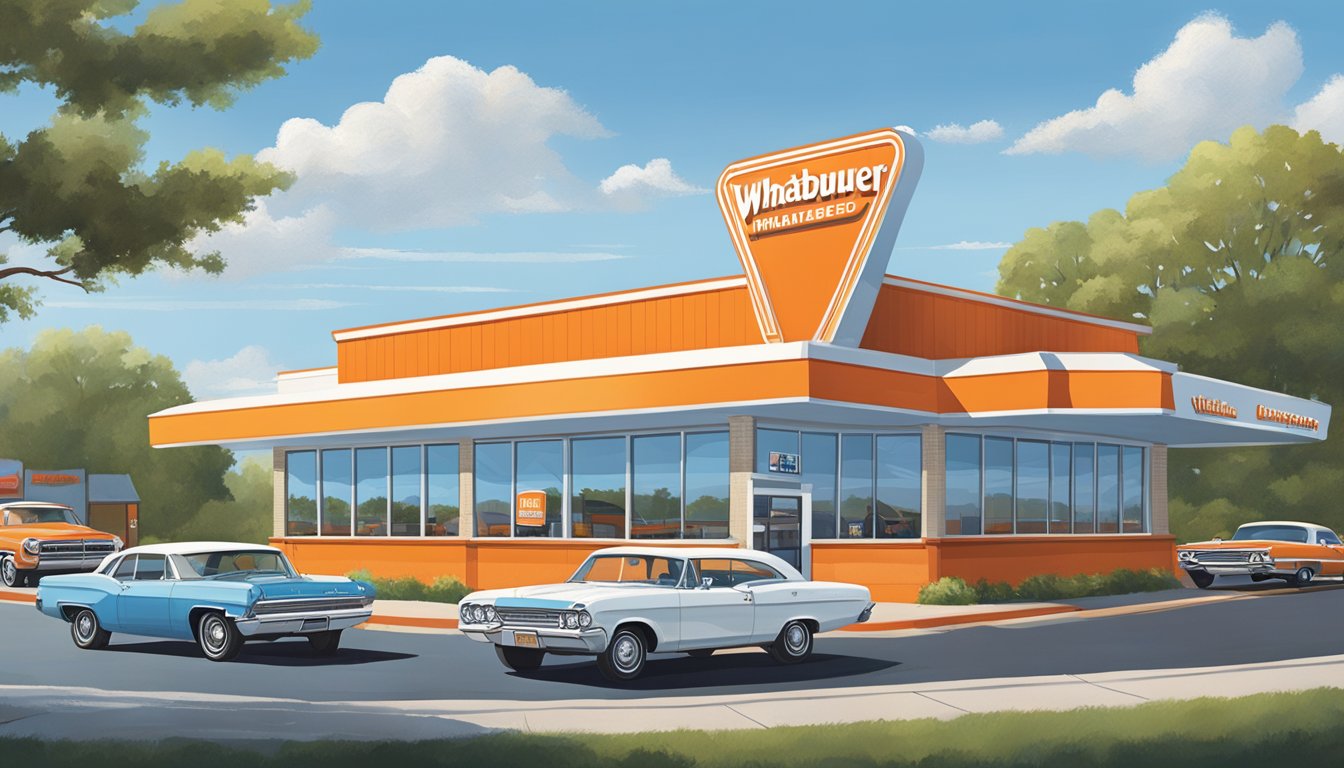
[[813, 227], [530, 509]]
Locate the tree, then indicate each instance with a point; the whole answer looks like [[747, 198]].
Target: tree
[[80, 399], [245, 517], [1236, 264], [76, 188]]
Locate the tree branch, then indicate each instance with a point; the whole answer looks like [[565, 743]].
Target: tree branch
[[47, 273]]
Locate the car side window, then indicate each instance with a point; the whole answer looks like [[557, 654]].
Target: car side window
[[719, 572], [745, 570], [125, 569], [150, 568], [1327, 537]]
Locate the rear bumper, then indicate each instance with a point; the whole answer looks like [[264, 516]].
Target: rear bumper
[[302, 623], [866, 614], [584, 641]]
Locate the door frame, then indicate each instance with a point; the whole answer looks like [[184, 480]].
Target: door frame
[[801, 491]]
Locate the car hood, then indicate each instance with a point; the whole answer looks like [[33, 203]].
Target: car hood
[[281, 587], [1240, 544], [556, 595], [52, 532]]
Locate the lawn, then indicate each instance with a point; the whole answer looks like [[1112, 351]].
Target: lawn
[[1272, 729]]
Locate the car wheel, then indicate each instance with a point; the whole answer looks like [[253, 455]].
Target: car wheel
[[1302, 578], [794, 643], [87, 632], [519, 659], [701, 653], [624, 657], [325, 643], [218, 637], [9, 572], [1202, 579]]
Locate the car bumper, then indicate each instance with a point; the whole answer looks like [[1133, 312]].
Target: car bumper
[[301, 623], [49, 565], [1237, 569], [591, 640]]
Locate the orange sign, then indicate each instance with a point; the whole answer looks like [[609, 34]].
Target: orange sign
[[1210, 407], [530, 509], [52, 478], [10, 484], [806, 223], [1265, 413]]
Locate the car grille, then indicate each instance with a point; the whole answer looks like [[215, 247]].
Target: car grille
[[271, 607], [515, 617], [79, 549], [1223, 557]]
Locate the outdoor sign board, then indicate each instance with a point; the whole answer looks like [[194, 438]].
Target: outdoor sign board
[[530, 509], [11, 479], [786, 463], [814, 227]]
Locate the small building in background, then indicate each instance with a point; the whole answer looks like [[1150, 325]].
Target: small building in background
[[105, 502]]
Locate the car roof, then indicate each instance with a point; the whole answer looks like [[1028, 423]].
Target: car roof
[[26, 504], [708, 553], [1294, 523], [196, 548]]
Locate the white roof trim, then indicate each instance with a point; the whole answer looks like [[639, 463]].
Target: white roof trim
[[197, 547], [1000, 301], [308, 374]]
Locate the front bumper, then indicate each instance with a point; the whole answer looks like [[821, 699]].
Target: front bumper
[[592, 640], [1235, 569], [48, 565], [302, 623]]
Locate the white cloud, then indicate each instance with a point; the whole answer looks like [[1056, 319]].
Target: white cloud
[[250, 372], [961, 245], [1324, 112], [975, 133], [1204, 86], [655, 178]]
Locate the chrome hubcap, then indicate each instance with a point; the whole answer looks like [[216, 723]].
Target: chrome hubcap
[[10, 574], [796, 638], [214, 634], [627, 652], [85, 626]]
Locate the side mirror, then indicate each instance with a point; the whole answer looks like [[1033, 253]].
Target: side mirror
[[706, 582]]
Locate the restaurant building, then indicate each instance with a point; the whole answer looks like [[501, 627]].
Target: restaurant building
[[105, 502], [866, 427]]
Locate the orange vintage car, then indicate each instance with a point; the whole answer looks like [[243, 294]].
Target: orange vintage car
[[38, 537], [1295, 552]]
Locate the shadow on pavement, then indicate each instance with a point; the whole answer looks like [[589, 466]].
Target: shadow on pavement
[[281, 654], [682, 672]]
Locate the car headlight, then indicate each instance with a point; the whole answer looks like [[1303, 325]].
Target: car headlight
[[1256, 557], [585, 619], [1186, 555], [32, 546], [570, 620], [465, 612], [488, 614]]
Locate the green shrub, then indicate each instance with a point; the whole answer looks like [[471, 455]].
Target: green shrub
[[1125, 581], [948, 590], [444, 589], [994, 591], [1041, 587]]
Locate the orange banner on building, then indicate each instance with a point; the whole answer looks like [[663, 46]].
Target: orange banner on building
[[530, 509]]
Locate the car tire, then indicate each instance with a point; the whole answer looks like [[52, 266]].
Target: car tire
[[325, 643], [1202, 579], [519, 659], [87, 631], [625, 656], [701, 653], [1302, 578], [10, 575], [794, 643], [218, 638]]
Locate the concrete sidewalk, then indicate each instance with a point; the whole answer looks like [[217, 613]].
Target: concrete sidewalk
[[47, 711]]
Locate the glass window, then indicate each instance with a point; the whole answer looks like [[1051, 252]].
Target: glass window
[[777, 441], [406, 490], [656, 476], [540, 466], [747, 570], [856, 486], [1061, 474], [337, 490], [149, 568], [301, 493], [820, 470], [1084, 487], [1131, 470], [371, 492], [1108, 488], [125, 569], [631, 569], [598, 469], [707, 485], [963, 484], [899, 486], [442, 507], [1033, 486], [494, 488], [998, 485]]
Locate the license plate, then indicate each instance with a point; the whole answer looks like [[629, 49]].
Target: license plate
[[526, 640]]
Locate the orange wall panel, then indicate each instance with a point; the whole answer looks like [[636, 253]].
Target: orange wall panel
[[892, 572], [1014, 558]]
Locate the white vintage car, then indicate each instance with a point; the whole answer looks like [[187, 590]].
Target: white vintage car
[[624, 603]]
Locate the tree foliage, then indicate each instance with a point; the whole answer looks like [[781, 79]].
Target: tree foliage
[[1236, 264], [80, 399], [77, 188]]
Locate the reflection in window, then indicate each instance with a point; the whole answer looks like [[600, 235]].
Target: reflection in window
[[1033, 485], [963, 484], [1108, 488], [540, 466], [371, 492], [598, 482], [406, 490], [1084, 487], [899, 486], [820, 470], [774, 441], [707, 485], [301, 493], [998, 485], [856, 486], [494, 489], [656, 475], [1061, 473], [337, 491], [1131, 471], [443, 484]]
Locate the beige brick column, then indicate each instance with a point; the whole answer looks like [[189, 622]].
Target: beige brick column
[[933, 496], [278, 492], [741, 464], [466, 474], [1157, 485]]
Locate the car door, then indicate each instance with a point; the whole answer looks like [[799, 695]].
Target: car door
[[716, 616], [142, 606], [1332, 559]]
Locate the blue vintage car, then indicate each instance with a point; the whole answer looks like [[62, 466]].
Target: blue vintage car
[[215, 593]]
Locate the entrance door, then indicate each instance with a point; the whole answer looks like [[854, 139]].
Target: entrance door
[[778, 527]]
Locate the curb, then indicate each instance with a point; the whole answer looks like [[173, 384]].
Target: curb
[[965, 618], [18, 597]]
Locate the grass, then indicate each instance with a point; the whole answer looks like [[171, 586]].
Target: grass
[[444, 589], [1270, 729], [951, 590]]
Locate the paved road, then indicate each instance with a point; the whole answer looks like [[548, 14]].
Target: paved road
[[388, 666]]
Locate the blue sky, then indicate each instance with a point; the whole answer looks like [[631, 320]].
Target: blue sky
[[482, 187]]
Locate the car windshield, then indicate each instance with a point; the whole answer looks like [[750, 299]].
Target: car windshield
[[31, 515], [630, 569], [233, 564], [1271, 533]]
